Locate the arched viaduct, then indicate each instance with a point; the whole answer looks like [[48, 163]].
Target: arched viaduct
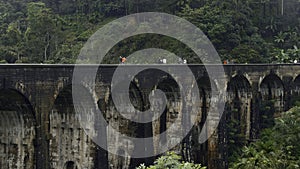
[[38, 128]]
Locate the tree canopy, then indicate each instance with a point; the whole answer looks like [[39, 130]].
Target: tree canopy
[[54, 31]]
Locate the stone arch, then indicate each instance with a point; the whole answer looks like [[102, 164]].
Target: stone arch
[[239, 101], [123, 125], [17, 131], [199, 152], [295, 92], [112, 115], [296, 86], [272, 94], [170, 87], [135, 96], [60, 85], [68, 139], [63, 84], [71, 165], [205, 89], [22, 88], [238, 113], [171, 112]]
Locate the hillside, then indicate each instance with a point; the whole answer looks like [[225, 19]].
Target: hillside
[[54, 31]]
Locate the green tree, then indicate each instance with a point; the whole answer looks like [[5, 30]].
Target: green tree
[[15, 43], [286, 46], [230, 29], [43, 33], [12, 25], [278, 147], [171, 161]]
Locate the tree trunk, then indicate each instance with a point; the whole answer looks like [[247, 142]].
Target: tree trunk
[[47, 40]]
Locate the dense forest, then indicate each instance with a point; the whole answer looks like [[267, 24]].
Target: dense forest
[[54, 31]]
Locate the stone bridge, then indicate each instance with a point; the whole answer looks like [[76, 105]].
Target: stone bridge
[[38, 128]]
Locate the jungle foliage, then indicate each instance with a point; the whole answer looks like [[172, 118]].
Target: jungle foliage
[[54, 31], [171, 161], [278, 146]]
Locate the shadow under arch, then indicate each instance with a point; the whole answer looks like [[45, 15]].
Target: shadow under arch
[[205, 89], [173, 106], [199, 152], [239, 101], [238, 113], [126, 125], [110, 112], [71, 165], [70, 131], [17, 131], [296, 85], [135, 95], [296, 91], [272, 95]]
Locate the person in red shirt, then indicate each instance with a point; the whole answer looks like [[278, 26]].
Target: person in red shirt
[[123, 60]]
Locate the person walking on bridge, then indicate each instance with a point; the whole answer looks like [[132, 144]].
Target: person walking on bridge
[[123, 60]]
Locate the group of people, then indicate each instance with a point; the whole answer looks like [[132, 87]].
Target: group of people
[[225, 62], [180, 61], [162, 61], [122, 60]]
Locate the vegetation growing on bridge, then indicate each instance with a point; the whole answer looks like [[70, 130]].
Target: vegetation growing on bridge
[[53, 31]]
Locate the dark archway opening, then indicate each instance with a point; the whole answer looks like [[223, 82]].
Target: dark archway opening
[[143, 130], [68, 136], [272, 95], [295, 100], [238, 115], [17, 131], [199, 152], [126, 126], [171, 112], [70, 165]]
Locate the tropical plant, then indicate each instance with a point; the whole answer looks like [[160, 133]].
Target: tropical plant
[[171, 161]]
